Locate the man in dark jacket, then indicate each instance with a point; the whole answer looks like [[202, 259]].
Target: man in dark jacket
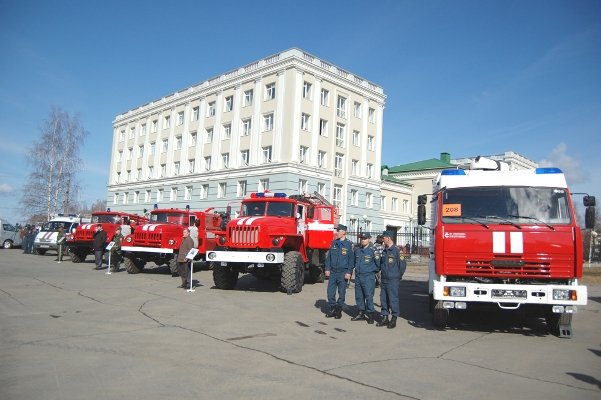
[[393, 266], [339, 265], [367, 264], [99, 244], [182, 261]]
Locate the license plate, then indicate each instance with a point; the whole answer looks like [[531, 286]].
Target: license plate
[[44, 246], [508, 294], [260, 265], [223, 264]]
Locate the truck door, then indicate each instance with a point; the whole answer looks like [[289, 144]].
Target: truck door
[[300, 219]]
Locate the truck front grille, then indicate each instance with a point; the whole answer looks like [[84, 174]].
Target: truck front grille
[[508, 268], [244, 236], [150, 239]]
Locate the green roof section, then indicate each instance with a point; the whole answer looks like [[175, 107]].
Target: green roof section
[[433, 163], [392, 179]]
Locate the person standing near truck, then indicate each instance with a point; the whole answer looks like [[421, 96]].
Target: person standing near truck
[[392, 265], [99, 244], [367, 264], [116, 250], [60, 241], [339, 265], [182, 261]]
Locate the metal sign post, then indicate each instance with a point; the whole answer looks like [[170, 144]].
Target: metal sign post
[[190, 257], [108, 268]]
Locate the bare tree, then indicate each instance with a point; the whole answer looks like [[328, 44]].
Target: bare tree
[[52, 184]]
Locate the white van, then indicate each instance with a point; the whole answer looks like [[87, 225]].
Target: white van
[[9, 235], [46, 238]]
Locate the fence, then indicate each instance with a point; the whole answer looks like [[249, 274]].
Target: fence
[[415, 243]]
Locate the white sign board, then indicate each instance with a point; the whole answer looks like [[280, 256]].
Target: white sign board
[[191, 254], [110, 246]]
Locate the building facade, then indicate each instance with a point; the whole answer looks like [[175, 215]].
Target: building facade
[[290, 122]]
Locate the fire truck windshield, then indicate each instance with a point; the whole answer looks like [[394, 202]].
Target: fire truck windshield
[[170, 218], [104, 218], [273, 208], [53, 226], [523, 205]]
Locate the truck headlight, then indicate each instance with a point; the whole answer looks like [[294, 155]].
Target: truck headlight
[[565, 294], [222, 240], [454, 291], [211, 255], [276, 241], [270, 257], [171, 242]]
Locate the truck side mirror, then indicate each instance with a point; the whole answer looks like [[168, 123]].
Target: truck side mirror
[[589, 217], [588, 201], [421, 214]]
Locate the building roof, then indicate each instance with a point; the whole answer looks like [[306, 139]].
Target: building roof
[[433, 163]]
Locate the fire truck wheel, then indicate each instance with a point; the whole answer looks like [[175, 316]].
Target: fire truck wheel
[[77, 256], [224, 277], [173, 266], [440, 316], [130, 266], [292, 272], [316, 274], [40, 252], [555, 321]]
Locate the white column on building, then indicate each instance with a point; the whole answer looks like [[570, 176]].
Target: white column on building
[[255, 152], [293, 135], [235, 129], [315, 120], [200, 135], [217, 132], [279, 116]]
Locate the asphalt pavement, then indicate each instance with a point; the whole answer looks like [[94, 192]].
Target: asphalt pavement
[[68, 331]]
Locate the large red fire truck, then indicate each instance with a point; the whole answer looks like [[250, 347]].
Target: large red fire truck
[[159, 240], [275, 236], [507, 238], [80, 242]]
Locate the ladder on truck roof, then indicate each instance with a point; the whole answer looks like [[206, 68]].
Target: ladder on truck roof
[[315, 198]]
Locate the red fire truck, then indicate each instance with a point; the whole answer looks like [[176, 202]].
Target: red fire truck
[[505, 238], [275, 236], [80, 242], [159, 240]]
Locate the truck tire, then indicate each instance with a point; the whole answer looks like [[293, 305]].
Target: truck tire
[[131, 266], [225, 278], [173, 266], [556, 321], [292, 273], [78, 256], [8, 244], [440, 316], [39, 252], [316, 273]]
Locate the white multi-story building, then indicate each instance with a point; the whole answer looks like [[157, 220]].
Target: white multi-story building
[[289, 123]]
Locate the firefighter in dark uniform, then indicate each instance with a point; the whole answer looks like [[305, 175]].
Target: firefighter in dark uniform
[[367, 264], [116, 250], [392, 265], [339, 265]]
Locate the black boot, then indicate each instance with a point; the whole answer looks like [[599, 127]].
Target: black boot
[[370, 318], [338, 313], [332, 312], [359, 316], [392, 322], [384, 322]]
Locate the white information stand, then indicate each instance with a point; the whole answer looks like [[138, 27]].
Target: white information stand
[[190, 257], [60, 249], [108, 248]]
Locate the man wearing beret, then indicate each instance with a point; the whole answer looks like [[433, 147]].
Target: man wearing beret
[[393, 266], [339, 265], [367, 264]]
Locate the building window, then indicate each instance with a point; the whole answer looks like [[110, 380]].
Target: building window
[[341, 107], [369, 171], [406, 206], [305, 121], [211, 109], [241, 189], [204, 191], [354, 200], [357, 109], [167, 122], [125, 197], [270, 91], [195, 113], [225, 160], [267, 122], [246, 125], [132, 132], [115, 198], [340, 134], [369, 200], [303, 186], [143, 130], [176, 168], [139, 174], [128, 153], [321, 188], [353, 225], [119, 156], [164, 145], [321, 159], [325, 97], [208, 163], [180, 118], [141, 150], [383, 203], [370, 143], [128, 176], [178, 143], [337, 199], [303, 154], [248, 98], [227, 131], [150, 172], [355, 167], [163, 170], [153, 148], [155, 126], [307, 90], [267, 154], [371, 115], [222, 190], [173, 195], [188, 193], [159, 194], [193, 139], [338, 164], [395, 204], [118, 177], [244, 157], [191, 165], [323, 127], [356, 138], [147, 196], [229, 103], [263, 185], [209, 135]]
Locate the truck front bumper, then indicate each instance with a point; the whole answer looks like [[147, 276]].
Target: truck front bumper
[[248, 257], [138, 249]]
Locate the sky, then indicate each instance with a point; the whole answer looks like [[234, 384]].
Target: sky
[[464, 77]]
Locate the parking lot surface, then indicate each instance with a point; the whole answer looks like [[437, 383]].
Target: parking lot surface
[[68, 331]]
